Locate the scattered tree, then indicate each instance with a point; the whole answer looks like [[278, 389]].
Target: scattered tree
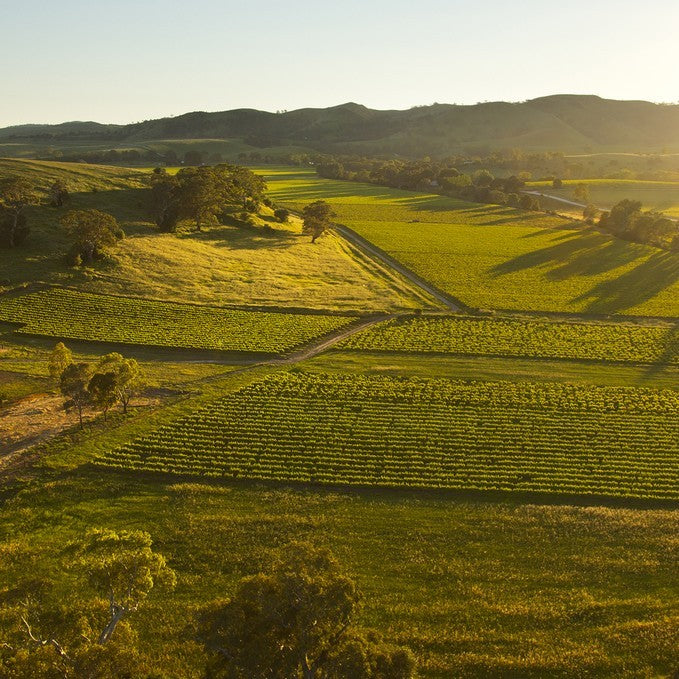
[[58, 193], [73, 385], [49, 636], [60, 358], [91, 232], [164, 200], [15, 195], [317, 216], [557, 183], [297, 621], [123, 568], [581, 193], [589, 213], [102, 391], [281, 214], [127, 376]]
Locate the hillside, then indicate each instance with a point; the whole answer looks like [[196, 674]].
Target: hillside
[[569, 123], [265, 264]]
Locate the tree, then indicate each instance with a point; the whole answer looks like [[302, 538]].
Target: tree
[[123, 568], [483, 178], [557, 183], [589, 213], [296, 621], [58, 193], [127, 376], [581, 193], [48, 635], [73, 385], [102, 391], [60, 358], [91, 231], [199, 195], [281, 214], [165, 200], [15, 195], [317, 216]]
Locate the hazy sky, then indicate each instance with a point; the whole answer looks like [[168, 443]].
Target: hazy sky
[[129, 60]]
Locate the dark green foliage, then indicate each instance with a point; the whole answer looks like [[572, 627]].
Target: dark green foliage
[[297, 620], [317, 216], [15, 195], [627, 221], [281, 214], [91, 232]]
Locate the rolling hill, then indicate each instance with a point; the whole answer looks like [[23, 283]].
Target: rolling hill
[[570, 123]]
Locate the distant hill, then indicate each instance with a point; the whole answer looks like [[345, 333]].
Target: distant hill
[[569, 123]]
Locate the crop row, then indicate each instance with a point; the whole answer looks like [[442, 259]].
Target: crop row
[[522, 338], [426, 433], [69, 314]]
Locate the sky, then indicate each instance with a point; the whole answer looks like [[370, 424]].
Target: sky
[[131, 60]]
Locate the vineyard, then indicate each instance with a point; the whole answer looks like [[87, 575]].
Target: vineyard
[[494, 257], [554, 438], [524, 338], [68, 314]]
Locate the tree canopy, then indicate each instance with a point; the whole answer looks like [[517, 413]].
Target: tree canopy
[[297, 620]]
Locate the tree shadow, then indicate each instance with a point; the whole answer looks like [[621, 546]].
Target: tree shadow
[[575, 254], [655, 274], [244, 238]]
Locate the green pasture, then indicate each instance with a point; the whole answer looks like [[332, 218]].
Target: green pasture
[[495, 257], [475, 589], [265, 264], [604, 193]]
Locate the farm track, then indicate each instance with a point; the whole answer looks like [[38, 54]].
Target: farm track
[[375, 252]]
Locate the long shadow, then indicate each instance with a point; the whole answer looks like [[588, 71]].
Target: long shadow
[[581, 253], [244, 238], [650, 277], [669, 355]]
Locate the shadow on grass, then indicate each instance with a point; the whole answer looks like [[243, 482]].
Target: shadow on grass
[[244, 237], [655, 274]]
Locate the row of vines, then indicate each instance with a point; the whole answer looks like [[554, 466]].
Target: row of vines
[[69, 314], [381, 431], [523, 338]]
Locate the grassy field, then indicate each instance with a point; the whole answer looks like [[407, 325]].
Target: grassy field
[[70, 314], [475, 589], [269, 263], [521, 337], [497, 257], [604, 193]]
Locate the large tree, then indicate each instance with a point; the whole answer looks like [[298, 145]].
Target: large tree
[[60, 358], [91, 232], [297, 620], [317, 219], [164, 200], [16, 195], [49, 634]]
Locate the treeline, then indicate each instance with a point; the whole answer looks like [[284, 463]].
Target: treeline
[[433, 176], [627, 220], [296, 618], [135, 156]]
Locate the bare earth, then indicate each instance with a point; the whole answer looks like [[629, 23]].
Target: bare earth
[[35, 419]]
